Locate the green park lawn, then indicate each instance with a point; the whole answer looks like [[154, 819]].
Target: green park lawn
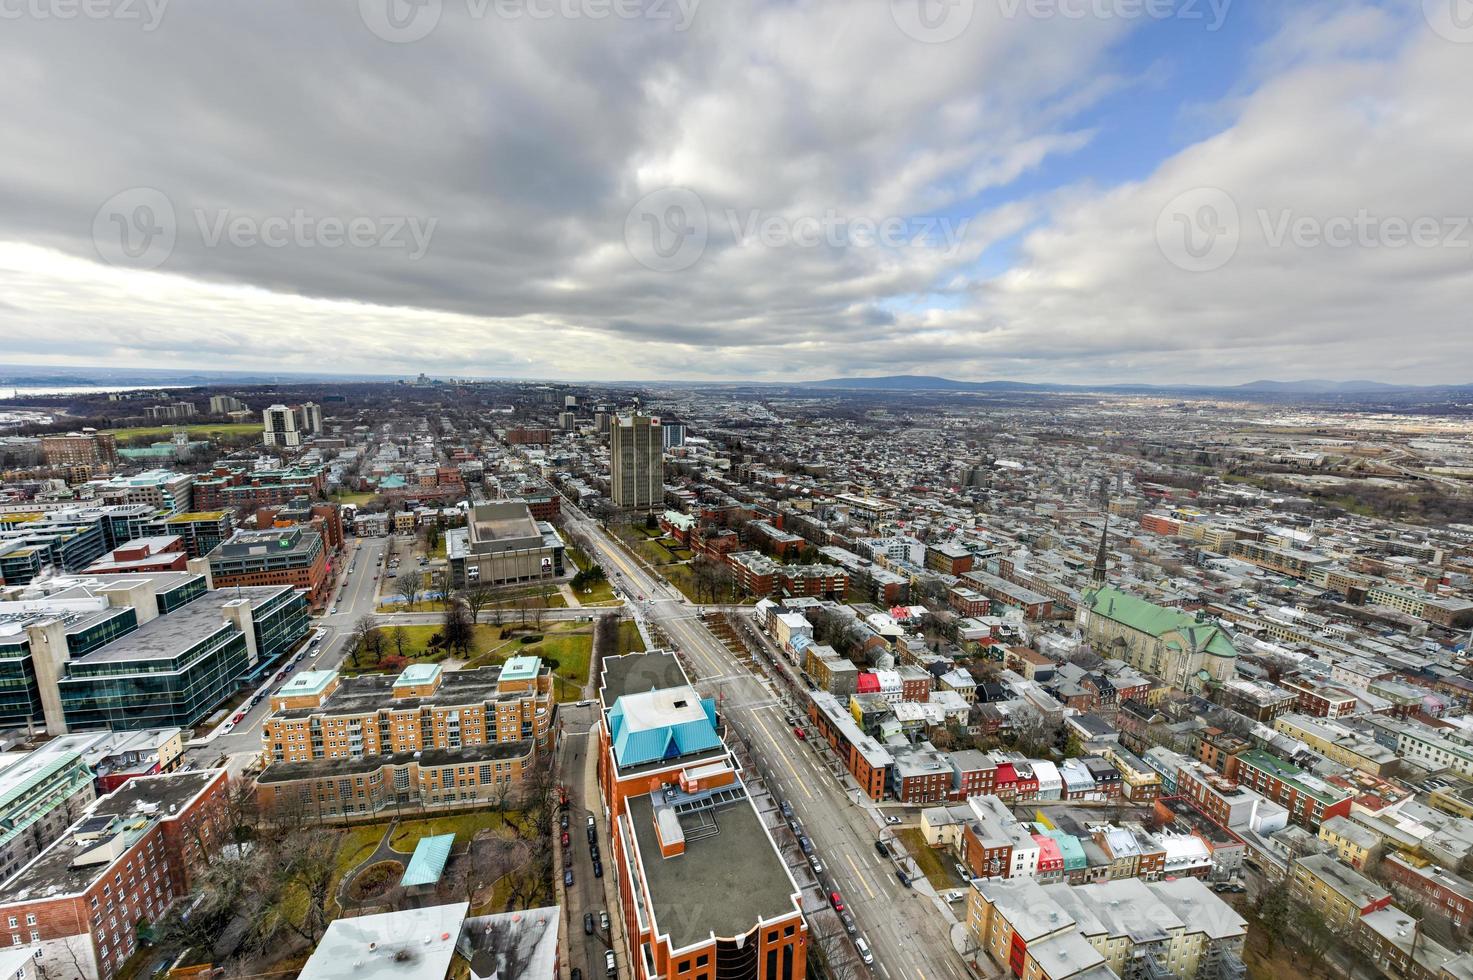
[[156, 433]]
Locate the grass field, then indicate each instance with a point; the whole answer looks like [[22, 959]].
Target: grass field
[[930, 859], [463, 825], [629, 639], [416, 648], [158, 433], [356, 499]]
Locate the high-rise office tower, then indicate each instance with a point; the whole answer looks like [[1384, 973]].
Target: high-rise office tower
[[637, 462]]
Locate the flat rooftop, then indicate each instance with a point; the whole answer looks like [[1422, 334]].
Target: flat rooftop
[[166, 637], [636, 673], [728, 879], [374, 692], [141, 801]]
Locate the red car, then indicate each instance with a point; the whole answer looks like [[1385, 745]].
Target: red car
[[799, 732], [838, 902], [565, 838]]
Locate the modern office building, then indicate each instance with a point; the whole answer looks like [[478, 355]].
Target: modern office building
[[289, 556], [84, 897], [157, 554], [501, 544], [139, 650], [425, 739], [672, 433], [681, 819], [201, 531], [636, 462]]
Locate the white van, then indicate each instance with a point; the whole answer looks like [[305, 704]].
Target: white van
[[864, 953]]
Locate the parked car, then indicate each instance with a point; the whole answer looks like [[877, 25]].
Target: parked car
[[565, 838], [836, 901], [591, 824], [961, 869], [806, 844], [587, 923], [567, 877], [598, 869], [849, 925], [787, 809], [815, 864], [593, 852], [611, 965], [603, 921], [799, 732], [577, 974], [881, 849], [892, 820], [864, 952], [563, 821], [904, 878]]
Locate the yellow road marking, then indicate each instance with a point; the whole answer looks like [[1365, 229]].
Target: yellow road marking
[[858, 874]]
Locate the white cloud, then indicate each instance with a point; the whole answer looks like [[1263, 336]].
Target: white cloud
[[528, 143]]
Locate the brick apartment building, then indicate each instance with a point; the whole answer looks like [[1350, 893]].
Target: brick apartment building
[[1309, 799], [427, 738], [122, 865]]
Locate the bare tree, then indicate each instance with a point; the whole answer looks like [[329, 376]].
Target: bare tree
[[400, 636], [409, 584], [476, 598]]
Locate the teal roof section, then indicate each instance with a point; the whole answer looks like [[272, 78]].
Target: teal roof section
[[636, 744], [1071, 849], [428, 862], [307, 682], [418, 674], [521, 668]]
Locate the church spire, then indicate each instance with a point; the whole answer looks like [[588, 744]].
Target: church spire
[[1099, 573]]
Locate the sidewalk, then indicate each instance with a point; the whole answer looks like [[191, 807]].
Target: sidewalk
[[594, 798]]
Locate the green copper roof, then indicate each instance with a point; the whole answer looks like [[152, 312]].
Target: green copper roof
[[1147, 617]]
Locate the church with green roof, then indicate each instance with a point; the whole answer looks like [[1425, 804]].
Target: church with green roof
[[1187, 651]]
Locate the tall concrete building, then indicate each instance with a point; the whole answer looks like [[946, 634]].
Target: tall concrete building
[[289, 426], [637, 460], [281, 427]]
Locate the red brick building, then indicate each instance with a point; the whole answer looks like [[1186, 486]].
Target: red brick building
[[82, 899]]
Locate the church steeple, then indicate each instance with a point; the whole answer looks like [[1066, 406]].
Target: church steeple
[[1098, 577]]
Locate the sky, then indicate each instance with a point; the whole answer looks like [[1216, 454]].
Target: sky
[[1160, 191]]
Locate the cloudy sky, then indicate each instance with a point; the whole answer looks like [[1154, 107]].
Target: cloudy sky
[[1068, 190]]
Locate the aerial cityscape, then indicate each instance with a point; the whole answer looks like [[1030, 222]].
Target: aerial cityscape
[[742, 490]]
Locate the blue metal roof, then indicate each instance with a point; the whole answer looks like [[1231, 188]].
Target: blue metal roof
[[428, 862], [633, 748]]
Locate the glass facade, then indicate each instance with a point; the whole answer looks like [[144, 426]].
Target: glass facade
[[181, 595], [96, 635], [20, 699], [281, 623], [181, 691]]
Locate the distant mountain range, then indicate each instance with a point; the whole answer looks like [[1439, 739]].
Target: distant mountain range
[[1339, 390]]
